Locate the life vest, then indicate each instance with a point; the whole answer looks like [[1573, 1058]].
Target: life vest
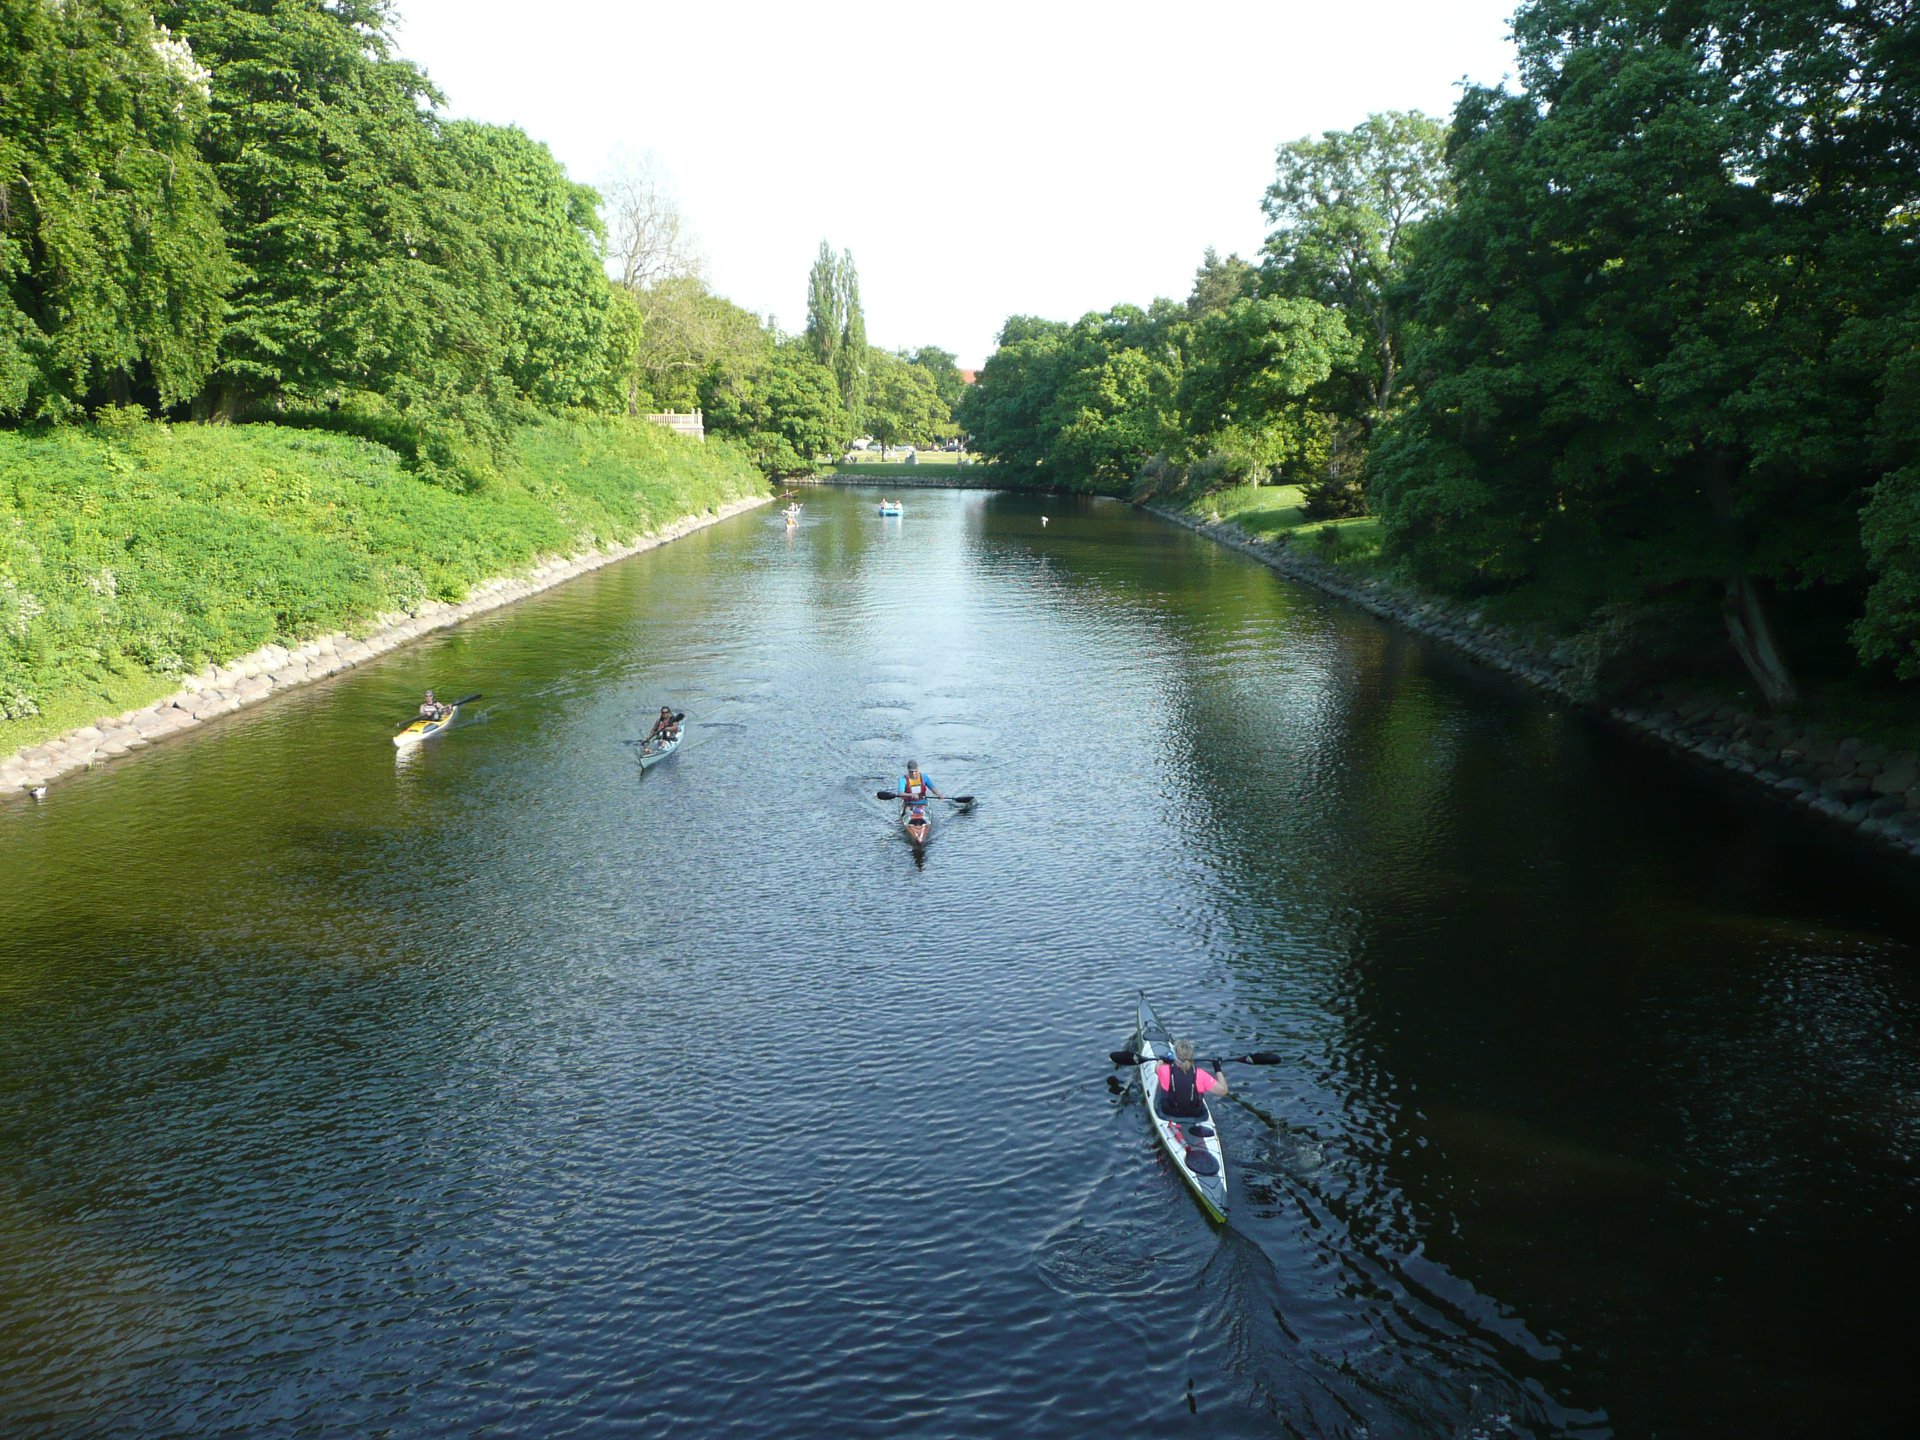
[[1181, 1095], [914, 790]]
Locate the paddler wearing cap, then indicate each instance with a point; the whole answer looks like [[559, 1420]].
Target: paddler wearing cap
[[914, 789]]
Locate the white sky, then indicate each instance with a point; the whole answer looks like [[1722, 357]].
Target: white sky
[[980, 159]]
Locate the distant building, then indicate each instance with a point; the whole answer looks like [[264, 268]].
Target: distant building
[[969, 377]]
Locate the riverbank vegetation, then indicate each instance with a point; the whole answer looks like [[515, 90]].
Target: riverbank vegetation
[[281, 346], [1629, 349], [133, 552]]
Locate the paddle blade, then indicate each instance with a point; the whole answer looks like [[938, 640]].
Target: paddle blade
[[961, 799], [1124, 1057], [886, 795], [468, 699], [1258, 1057]]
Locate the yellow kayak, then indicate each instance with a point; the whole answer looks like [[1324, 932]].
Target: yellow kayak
[[420, 729]]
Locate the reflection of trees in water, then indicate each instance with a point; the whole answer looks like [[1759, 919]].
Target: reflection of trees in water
[[1637, 1107], [1312, 766]]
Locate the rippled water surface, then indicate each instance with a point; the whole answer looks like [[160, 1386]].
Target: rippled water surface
[[498, 1088]]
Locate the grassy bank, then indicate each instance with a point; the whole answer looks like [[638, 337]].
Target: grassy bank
[[1869, 707], [869, 465], [134, 553], [1269, 512]]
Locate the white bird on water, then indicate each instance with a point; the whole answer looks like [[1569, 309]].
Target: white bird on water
[[38, 792], [1043, 519]]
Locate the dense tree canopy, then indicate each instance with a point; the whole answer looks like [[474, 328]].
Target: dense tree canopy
[[324, 148], [521, 240], [1643, 377], [113, 268], [1344, 208], [1636, 339], [783, 405], [943, 368], [1253, 367], [1080, 405]]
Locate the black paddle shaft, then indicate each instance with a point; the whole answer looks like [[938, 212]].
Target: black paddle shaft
[[454, 704], [1257, 1057]]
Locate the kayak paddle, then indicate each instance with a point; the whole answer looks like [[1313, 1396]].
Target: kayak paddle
[[1258, 1057], [679, 717], [950, 799], [449, 704]]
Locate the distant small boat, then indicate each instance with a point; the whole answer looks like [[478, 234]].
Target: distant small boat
[[891, 507]]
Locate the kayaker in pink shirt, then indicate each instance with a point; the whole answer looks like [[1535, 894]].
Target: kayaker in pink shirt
[[1181, 1085]]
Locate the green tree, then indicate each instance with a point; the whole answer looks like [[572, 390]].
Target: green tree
[[689, 333], [1218, 283], [113, 268], [902, 406], [943, 368], [785, 408], [826, 309], [1108, 418], [1253, 368], [655, 263], [1009, 411], [1642, 379], [1080, 405], [323, 144], [532, 274], [1344, 208], [850, 361]]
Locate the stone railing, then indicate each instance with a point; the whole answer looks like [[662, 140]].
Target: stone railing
[[693, 424]]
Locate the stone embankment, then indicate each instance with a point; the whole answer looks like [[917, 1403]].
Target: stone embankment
[[222, 689], [1861, 787]]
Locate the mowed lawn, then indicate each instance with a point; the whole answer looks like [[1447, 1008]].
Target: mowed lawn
[[1268, 512]]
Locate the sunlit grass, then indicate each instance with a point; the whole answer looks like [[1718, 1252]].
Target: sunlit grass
[[88, 701], [868, 465], [1268, 512], [133, 554]]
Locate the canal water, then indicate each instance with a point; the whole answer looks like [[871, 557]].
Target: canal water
[[500, 1087]]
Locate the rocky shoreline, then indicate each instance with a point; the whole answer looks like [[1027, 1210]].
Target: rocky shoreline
[[273, 669], [1863, 788]]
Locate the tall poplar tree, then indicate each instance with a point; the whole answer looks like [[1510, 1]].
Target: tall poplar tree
[[851, 366], [826, 312]]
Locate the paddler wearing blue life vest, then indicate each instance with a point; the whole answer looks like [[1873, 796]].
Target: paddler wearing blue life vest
[[914, 789], [1181, 1086]]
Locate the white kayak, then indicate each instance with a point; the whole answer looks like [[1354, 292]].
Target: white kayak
[[653, 752], [1192, 1143]]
